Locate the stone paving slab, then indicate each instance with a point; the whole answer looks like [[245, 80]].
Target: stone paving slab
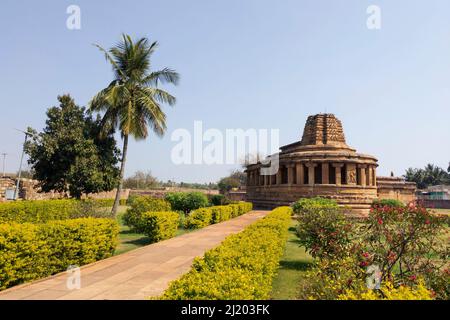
[[137, 274]]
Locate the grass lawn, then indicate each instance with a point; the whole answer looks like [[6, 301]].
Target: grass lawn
[[129, 240], [293, 265], [441, 211]]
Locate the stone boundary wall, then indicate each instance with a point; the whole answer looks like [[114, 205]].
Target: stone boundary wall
[[29, 190], [396, 188]]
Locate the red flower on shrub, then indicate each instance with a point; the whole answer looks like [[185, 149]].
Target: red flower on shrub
[[391, 256], [413, 277], [380, 221]]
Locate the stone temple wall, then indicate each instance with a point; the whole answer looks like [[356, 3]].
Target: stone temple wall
[[396, 188], [29, 190]]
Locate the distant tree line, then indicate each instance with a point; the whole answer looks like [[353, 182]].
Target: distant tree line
[[145, 180], [431, 175]]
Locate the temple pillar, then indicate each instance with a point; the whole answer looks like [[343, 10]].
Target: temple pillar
[[338, 167], [290, 173], [300, 173], [374, 176], [311, 175], [351, 174], [369, 176], [266, 180], [362, 174], [325, 173], [279, 173]]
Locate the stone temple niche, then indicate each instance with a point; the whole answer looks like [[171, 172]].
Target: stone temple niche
[[320, 164]]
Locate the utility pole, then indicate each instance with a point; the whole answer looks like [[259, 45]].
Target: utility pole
[[4, 154], [16, 192]]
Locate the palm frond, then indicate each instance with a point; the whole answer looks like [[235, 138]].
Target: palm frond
[[111, 60], [165, 75]]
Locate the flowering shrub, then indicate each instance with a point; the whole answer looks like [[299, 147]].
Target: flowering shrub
[[242, 267], [322, 228], [406, 242]]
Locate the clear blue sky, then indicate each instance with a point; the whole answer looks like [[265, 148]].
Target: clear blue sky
[[244, 64]]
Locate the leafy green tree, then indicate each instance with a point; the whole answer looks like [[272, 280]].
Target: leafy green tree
[[236, 179], [228, 183], [434, 175], [415, 175], [141, 180], [431, 175], [132, 101], [69, 156]]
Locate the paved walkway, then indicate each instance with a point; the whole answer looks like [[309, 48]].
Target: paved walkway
[[136, 274]]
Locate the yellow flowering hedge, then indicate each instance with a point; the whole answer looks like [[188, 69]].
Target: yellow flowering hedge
[[36, 211], [389, 292], [139, 205], [39, 211], [242, 267], [32, 251], [159, 225], [203, 217]]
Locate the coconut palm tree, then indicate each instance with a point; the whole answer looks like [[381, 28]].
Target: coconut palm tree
[[132, 101]]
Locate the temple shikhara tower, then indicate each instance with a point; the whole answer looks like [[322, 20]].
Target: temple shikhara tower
[[322, 164]]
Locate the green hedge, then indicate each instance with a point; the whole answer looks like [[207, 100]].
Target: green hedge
[[108, 202], [387, 202], [32, 251], [308, 204], [138, 206], [218, 199], [159, 225], [241, 268], [40, 211], [205, 216]]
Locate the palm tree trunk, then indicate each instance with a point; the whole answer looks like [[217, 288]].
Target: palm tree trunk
[[122, 170]]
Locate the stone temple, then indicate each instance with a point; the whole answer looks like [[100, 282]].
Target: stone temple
[[322, 164]]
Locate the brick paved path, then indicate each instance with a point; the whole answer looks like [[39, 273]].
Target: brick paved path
[[136, 274]]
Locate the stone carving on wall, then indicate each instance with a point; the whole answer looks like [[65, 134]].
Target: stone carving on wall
[[351, 177]]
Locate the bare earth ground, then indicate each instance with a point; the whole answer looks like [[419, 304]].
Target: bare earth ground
[[137, 274]]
